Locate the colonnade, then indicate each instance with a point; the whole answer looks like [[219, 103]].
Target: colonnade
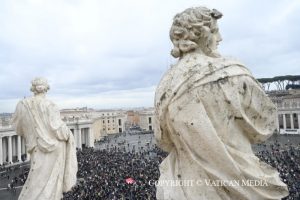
[[83, 137], [12, 149], [289, 122]]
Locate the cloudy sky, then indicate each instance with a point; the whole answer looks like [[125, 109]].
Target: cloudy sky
[[112, 53]]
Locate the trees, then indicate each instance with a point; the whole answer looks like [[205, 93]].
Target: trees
[[281, 82]]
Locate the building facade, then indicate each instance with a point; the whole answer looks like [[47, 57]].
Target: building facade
[[110, 121], [288, 107], [146, 119], [82, 131], [104, 122]]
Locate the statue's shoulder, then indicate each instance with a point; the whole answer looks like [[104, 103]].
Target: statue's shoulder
[[25, 101], [23, 104], [193, 59], [177, 73], [38, 101], [162, 85], [48, 104], [230, 61], [224, 65]]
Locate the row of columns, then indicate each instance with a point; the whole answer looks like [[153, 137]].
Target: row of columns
[[291, 121], [83, 136], [9, 152]]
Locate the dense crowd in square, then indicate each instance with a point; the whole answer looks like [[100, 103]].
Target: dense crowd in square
[[102, 173]]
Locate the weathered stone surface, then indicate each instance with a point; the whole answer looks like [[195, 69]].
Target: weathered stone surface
[[209, 110], [50, 144]]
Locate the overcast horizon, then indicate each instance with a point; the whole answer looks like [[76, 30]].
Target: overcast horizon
[[112, 54]]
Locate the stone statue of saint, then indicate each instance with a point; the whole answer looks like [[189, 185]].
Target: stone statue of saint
[[209, 110], [53, 162]]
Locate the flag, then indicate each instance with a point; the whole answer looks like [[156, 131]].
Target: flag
[[130, 180]]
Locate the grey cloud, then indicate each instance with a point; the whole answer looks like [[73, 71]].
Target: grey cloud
[[113, 53]]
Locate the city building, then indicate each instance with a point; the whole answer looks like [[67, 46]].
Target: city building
[[109, 122], [288, 107], [133, 119], [104, 122], [146, 119], [284, 91]]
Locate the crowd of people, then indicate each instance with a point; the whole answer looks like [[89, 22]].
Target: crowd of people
[[104, 174], [286, 159], [115, 174], [14, 175]]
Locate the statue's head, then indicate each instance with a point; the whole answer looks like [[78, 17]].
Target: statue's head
[[196, 29], [39, 86]]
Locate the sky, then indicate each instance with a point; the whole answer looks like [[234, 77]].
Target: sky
[[112, 53]]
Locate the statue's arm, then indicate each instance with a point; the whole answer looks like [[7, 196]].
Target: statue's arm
[[258, 111], [161, 135], [60, 129]]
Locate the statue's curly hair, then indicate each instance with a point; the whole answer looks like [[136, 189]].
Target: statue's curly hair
[[39, 81], [191, 25]]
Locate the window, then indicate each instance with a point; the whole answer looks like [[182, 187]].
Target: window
[[120, 122], [150, 120]]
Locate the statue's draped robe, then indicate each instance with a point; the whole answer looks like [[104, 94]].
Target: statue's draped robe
[[208, 112], [53, 162]]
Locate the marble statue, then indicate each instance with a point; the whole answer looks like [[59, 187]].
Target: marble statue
[[208, 111], [50, 144]]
